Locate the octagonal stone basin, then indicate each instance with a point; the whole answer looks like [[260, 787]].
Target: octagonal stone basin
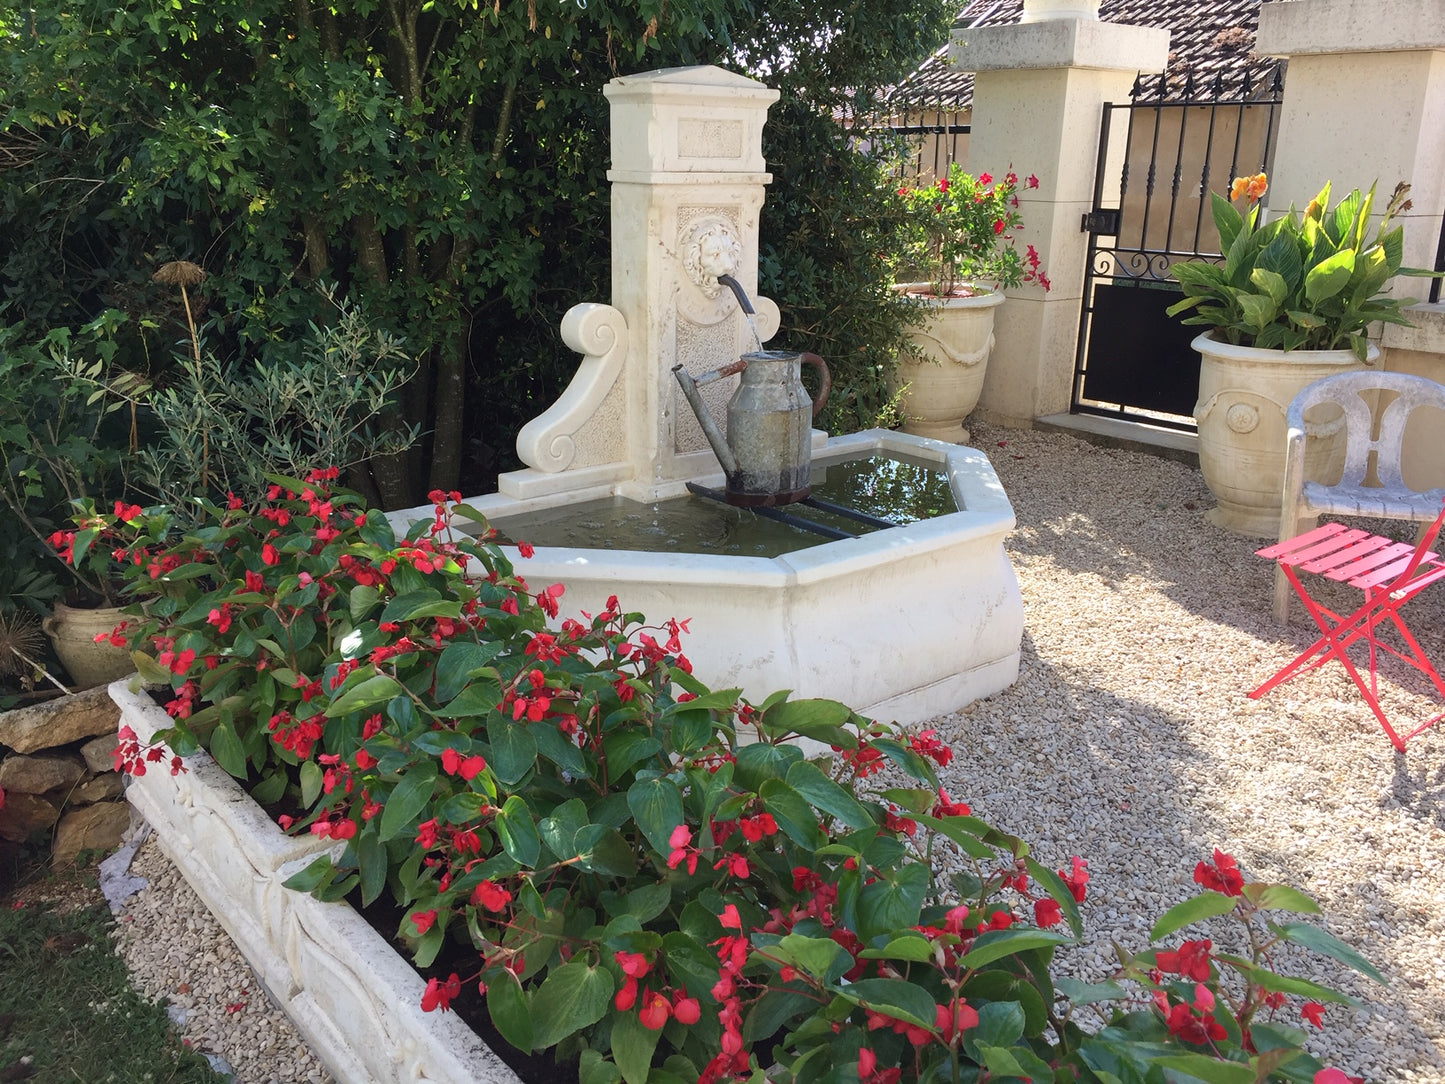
[[902, 624]]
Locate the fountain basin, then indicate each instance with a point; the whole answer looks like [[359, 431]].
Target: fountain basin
[[349, 993], [901, 624]]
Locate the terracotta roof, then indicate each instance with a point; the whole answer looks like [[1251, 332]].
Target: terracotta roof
[[1210, 43]]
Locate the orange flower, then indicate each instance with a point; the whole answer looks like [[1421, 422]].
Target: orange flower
[[1253, 187]]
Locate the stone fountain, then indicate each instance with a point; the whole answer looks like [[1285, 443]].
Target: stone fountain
[[904, 622], [936, 598]]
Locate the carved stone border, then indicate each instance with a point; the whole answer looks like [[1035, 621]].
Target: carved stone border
[[356, 1001]]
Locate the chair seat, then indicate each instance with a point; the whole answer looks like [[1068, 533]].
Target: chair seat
[[1389, 574], [1373, 501]]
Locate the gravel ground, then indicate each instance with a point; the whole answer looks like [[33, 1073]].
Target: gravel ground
[[1128, 739]]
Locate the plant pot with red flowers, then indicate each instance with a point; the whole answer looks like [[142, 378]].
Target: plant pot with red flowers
[[963, 231]]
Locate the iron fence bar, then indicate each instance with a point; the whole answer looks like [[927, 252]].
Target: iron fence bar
[[1153, 161], [1439, 264], [1204, 171], [1179, 160]]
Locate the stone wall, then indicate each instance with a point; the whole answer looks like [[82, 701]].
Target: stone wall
[[57, 777]]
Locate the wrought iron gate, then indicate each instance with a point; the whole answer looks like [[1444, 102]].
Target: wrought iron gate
[[1134, 361]]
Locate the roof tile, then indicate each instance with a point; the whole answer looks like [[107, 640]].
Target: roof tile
[[1210, 49]]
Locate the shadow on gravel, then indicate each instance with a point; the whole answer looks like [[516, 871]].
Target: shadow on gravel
[[1419, 787]]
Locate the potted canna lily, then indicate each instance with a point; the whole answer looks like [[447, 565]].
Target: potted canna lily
[[1290, 303], [963, 252]]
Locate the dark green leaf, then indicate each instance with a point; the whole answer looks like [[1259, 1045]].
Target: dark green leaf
[[371, 865], [407, 799], [603, 850], [1327, 944], [633, 1046], [376, 689], [415, 605], [559, 829], [595, 1069], [572, 997], [1203, 906], [795, 816], [996, 944], [227, 751], [897, 998], [311, 778], [894, 903], [456, 664], [809, 781], [657, 806], [514, 750], [814, 955], [507, 1006], [773, 1010], [517, 831]]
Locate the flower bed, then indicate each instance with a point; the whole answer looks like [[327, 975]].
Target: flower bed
[[644, 876]]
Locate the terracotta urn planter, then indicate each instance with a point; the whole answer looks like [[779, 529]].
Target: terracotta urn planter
[[943, 368], [1244, 393], [72, 631]]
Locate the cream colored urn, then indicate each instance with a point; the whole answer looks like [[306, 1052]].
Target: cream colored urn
[[1244, 395], [941, 371]]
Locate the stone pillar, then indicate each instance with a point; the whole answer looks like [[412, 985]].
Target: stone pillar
[[688, 178], [1364, 101], [1038, 96]]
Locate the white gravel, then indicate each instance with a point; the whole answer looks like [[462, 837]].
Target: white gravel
[[178, 952], [1128, 739]]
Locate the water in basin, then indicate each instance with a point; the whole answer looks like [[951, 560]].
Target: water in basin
[[892, 487]]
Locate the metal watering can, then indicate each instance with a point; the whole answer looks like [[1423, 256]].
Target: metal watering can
[[767, 453]]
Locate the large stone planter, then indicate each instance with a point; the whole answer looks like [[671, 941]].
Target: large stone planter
[[1244, 394], [944, 366], [357, 1002], [72, 631]]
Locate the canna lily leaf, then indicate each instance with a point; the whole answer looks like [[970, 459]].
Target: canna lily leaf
[[1326, 279]]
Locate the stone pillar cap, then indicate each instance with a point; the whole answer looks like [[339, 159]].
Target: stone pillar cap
[[1060, 43], [700, 122], [1302, 27]]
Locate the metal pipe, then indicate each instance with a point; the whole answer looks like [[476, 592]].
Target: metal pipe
[[833, 534]]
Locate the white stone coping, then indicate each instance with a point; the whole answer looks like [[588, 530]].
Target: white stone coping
[[353, 998], [1301, 27], [1428, 334], [1060, 43]]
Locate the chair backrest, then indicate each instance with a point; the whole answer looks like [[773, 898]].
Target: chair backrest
[[1352, 391]]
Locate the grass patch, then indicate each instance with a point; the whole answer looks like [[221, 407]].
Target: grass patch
[[68, 1012]]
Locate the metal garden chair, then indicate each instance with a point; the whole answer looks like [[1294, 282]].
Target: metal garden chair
[[1390, 574]]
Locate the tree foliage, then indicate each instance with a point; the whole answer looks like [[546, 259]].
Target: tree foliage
[[441, 161]]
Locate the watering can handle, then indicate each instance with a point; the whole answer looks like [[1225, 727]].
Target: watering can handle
[[825, 380]]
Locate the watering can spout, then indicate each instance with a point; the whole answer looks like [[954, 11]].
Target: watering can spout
[[704, 417]]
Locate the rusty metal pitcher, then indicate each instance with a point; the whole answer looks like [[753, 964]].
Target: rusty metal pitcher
[[768, 452]]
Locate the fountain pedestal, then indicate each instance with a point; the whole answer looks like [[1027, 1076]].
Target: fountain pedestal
[[905, 623]]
